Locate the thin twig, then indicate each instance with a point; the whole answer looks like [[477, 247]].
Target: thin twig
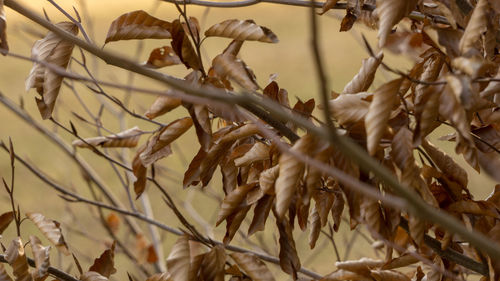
[[51, 270]]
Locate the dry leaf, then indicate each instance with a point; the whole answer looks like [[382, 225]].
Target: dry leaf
[[361, 266], [3, 31], [242, 30], [162, 105], [212, 267], [341, 274], [3, 274], [364, 78], [51, 229], [113, 222], [183, 47], [54, 50], [227, 65], [161, 57], [384, 99], [252, 266], [5, 220], [41, 255], [140, 172], [315, 226], [105, 264], [477, 25], [233, 200], [329, 4], [138, 25], [349, 109], [16, 257], [127, 138], [179, 260], [389, 275], [446, 164], [289, 259], [92, 276], [234, 222], [261, 213], [390, 12], [159, 277], [258, 152]]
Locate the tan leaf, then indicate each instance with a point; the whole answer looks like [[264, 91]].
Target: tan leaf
[[4, 276], [51, 229], [252, 266], [446, 164], [92, 276], [41, 255], [329, 4], [233, 200], [105, 264], [315, 227], [337, 207], [389, 275], [140, 172], [183, 47], [417, 230], [349, 109], [161, 57], [16, 257], [362, 266], [290, 172], [268, 178], [157, 146], [390, 12], [127, 138], [401, 261], [433, 274], [313, 177], [179, 260], [113, 222], [372, 214], [258, 152], [227, 65], [260, 214], [384, 99], [212, 267], [54, 50], [490, 163], [239, 133], [234, 222], [138, 25], [5, 220], [162, 105], [364, 78], [3, 31], [159, 277], [289, 259], [242, 30], [492, 89], [341, 274], [476, 27]]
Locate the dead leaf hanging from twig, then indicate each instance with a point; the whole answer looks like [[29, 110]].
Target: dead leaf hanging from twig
[[242, 30], [128, 138], [51, 230], [138, 25]]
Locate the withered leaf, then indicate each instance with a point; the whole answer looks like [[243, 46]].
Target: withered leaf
[[267, 179], [105, 264], [161, 57], [341, 274], [477, 25], [234, 222], [138, 25], [361, 266], [183, 47], [384, 99], [259, 151], [4, 47], [162, 105], [41, 255], [315, 227], [364, 78], [127, 138], [233, 200], [92, 276], [349, 109], [289, 259], [388, 275], [51, 229], [140, 172], [242, 30], [260, 214], [4, 276], [212, 267], [159, 277], [252, 266], [227, 65], [54, 50], [5, 220], [446, 164], [390, 12], [178, 262], [16, 257], [329, 4]]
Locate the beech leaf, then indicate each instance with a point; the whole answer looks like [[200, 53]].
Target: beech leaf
[[51, 230], [138, 25], [161, 57], [127, 138], [390, 12], [3, 31], [242, 30], [252, 266]]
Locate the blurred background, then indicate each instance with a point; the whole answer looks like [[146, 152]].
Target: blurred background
[[290, 60]]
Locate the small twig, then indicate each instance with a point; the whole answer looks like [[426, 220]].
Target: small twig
[[75, 21], [51, 270]]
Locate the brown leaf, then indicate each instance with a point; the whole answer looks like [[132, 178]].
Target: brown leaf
[[234, 222], [92, 276], [252, 266], [51, 229], [258, 152], [329, 4], [212, 267], [140, 172], [5, 220], [490, 163], [179, 260], [233, 200], [242, 30], [268, 178], [476, 27], [54, 50], [315, 226], [433, 274], [446, 164], [16, 257], [401, 261], [364, 78], [227, 65], [159, 277], [338, 207], [4, 276], [41, 255], [390, 12], [260, 214], [161, 57], [348, 21], [113, 222], [3, 31], [244, 131], [105, 264], [127, 138], [384, 99], [162, 105], [389, 275], [289, 259], [138, 25], [183, 47], [361, 266], [349, 109], [341, 274]]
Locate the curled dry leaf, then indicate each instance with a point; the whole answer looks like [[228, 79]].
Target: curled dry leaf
[[260, 214], [329, 4], [4, 47], [389, 275], [161, 57], [341, 274], [183, 47], [290, 172], [179, 260], [446, 164], [267, 179], [227, 65], [349, 109], [258, 152], [212, 267], [41, 255], [54, 50], [127, 138], [92, 276], [289, 259], [384, 99], [390, 12], [51, 229], [105, 264], [4, 276], [363, 80], [315, 226], [159, 277], [252, 266], [138, 25], [242, 30], [239, 133], [162, 105], [362, 266], [5, 220], [16, 257], [476, 27], [433, 274], [140, 172], [234, 222], [233, 200], [158, 145]]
